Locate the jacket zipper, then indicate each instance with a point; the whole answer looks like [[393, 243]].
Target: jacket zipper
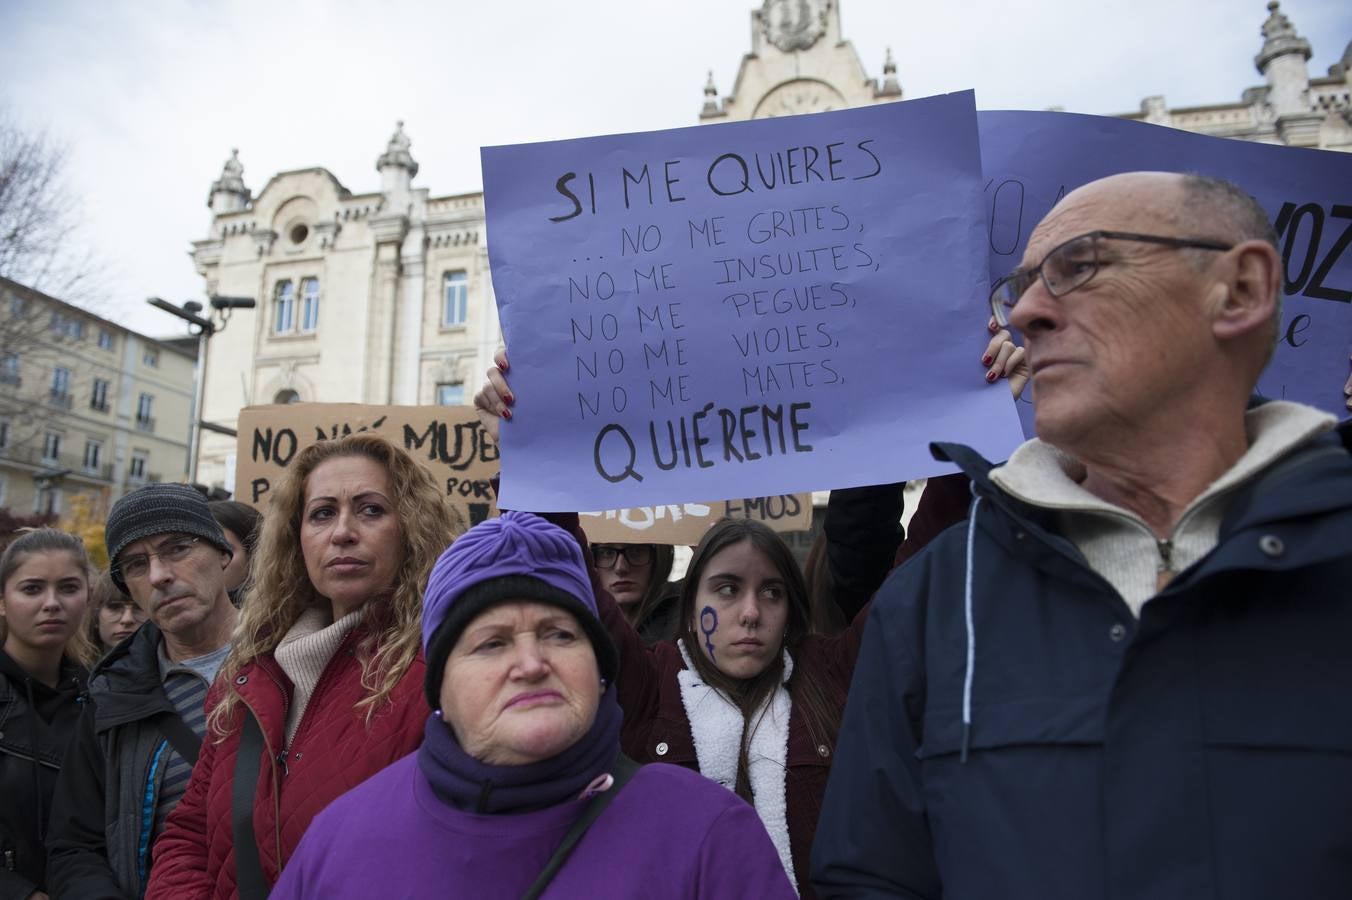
[[276, 758], [28, 757], [324, 679], [281, 757]]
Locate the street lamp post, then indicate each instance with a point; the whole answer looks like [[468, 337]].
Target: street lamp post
[[188, 312]]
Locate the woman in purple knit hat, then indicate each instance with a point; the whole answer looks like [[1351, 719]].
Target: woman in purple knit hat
[[519, 788]]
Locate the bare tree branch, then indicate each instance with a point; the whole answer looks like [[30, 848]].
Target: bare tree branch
[[39, 218]]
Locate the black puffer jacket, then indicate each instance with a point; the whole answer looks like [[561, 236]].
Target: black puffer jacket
[[105, 801], [36, 724]]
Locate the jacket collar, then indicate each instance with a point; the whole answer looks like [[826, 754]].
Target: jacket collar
[[1042, 475], [125, 685], [1314, 479]]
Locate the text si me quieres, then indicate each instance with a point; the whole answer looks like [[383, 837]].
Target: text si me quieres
[[729, 175]]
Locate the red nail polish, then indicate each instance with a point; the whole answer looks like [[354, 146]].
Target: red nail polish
[[990, 376], [507, 414], [986, 360], [508, 399]]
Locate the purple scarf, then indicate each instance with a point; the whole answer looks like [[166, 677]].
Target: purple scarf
[[471, 785]]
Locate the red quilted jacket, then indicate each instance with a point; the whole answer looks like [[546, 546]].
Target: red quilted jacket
[[334, 751]]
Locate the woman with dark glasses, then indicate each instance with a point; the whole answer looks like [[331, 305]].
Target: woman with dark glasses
[[636, 576]]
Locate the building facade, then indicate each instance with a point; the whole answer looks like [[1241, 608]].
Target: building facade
[[1290, 107], [385, 297], [87, 407]]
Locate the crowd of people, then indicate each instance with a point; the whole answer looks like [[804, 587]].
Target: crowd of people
[[1113, 666]]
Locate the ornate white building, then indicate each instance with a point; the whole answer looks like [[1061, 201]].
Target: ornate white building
[[1290, 107], [385, 297]]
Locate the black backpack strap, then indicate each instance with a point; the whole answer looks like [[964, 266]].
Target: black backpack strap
[[180, 735], [248, 869], [622, 770]]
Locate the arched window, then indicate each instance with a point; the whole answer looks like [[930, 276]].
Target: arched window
[[309, 304], [286, 395], [284, 301], [455, 302]]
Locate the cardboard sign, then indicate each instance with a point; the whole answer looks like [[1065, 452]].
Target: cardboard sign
[[685, 523], [743, 309], [448, 441], [1033, 159]]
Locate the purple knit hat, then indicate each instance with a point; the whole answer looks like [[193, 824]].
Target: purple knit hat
[[516, 556]]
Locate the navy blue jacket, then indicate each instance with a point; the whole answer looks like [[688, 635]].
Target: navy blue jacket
[[1202, 752]]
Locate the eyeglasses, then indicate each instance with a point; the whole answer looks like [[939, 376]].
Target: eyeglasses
[[1073, 264], [136, 567], [607, 555]]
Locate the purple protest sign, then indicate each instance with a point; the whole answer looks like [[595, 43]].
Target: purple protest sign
[[1032, 159], [744, 309]]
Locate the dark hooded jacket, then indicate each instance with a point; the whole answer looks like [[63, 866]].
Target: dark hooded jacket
[[36, 724], [1014, 731], [104, 808]]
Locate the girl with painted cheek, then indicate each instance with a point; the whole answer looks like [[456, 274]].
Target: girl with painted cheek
[[745, 694], [44, 590]]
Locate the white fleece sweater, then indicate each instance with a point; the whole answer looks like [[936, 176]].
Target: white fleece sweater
[[1117, 543]]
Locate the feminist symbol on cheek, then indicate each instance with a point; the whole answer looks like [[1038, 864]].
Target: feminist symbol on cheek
[[708, 624]]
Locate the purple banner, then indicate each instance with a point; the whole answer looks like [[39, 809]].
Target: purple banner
[[745, 309], [1032, 159]]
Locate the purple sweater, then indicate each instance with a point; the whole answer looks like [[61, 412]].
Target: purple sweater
[[669, 833]]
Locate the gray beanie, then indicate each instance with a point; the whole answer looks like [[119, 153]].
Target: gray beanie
[[158, 509]]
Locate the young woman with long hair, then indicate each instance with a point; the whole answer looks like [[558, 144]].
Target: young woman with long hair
[[325, 661], [746, 694], [44, 652]]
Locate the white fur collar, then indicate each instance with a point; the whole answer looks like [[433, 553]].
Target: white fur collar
[[716, 726]]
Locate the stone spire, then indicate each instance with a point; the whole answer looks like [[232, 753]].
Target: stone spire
[[228, 193], [1282, 61], [396, 165], [711, 105], [1280, 39], [891, 87]]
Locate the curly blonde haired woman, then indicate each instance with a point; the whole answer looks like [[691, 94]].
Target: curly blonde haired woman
[[325, 673]]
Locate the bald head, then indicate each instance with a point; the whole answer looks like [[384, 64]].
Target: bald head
[[1179, 204], [1155, 306]]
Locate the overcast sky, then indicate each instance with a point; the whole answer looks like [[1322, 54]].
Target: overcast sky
[[149, 97]]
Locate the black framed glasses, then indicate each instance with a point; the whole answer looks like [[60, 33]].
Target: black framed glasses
[[606, 555], [134, 568], [1074, 264]]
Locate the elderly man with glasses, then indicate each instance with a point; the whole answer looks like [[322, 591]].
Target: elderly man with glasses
[[143, 724], [1127, 674]]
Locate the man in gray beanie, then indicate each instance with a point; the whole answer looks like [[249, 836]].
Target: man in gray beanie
[[144, 722]]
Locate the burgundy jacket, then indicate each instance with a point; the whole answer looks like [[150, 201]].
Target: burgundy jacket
[[334, 751], [656, 728]]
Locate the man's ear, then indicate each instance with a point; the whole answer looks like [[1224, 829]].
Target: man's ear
[[1252, 279]]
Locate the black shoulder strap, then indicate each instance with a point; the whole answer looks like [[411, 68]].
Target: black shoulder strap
[[248, 869], [180, 735], [622, 770]]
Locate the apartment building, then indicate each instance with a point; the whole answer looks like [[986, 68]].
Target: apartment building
[[86, 406]]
